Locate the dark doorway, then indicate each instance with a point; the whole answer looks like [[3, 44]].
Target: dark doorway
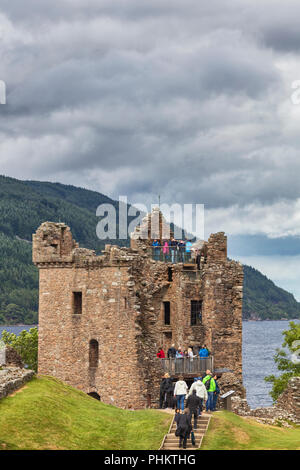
[[95, 395], [77, 303], [167, 313]]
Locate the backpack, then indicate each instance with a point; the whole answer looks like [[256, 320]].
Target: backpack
[[207, 384]]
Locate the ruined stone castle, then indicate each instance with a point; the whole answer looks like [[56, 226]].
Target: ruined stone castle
[[103, 318]]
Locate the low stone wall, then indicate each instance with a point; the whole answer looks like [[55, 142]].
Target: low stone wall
[[289, 400], [13, 378], [285, 411]]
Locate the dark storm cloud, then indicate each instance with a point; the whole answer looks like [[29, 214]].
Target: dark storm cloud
[[179, 98]]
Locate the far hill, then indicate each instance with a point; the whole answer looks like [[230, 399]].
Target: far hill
[[24, 205], [264, 300]]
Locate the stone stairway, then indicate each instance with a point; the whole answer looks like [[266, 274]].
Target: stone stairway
[[171, 442]]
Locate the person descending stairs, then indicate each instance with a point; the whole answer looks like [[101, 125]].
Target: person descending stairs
[[171, 441]]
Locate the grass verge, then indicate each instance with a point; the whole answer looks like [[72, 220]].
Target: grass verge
[[48, 414], [227, 431]]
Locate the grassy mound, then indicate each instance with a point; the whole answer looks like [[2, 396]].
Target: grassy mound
[[47, 414], [228, 431]]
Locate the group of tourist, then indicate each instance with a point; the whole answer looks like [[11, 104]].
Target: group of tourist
[[173, 250], [206, 389], [190, 353], [189, 403]]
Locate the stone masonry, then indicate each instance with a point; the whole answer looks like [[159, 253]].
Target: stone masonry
[[13, 375], [101, 318], [12, 379]]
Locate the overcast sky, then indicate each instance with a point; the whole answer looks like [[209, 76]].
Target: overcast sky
[[184, 99]]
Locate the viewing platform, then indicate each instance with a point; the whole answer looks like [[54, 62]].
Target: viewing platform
[[172, 255], [187, 367]]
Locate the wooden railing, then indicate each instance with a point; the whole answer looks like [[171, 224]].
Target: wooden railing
[[172, 254], [187, 366]]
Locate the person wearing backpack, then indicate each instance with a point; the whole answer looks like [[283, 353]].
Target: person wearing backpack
[[216, 392], [210, 386], [184, 427], [201, 392], [166, 392], [193, 403]]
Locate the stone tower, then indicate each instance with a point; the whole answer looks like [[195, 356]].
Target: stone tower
[[102, 318]]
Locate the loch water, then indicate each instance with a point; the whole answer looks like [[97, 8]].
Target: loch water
[[260, 341]]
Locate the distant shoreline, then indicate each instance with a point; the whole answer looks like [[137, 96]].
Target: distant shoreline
[[247, 320], [19, 325], [273, 319]]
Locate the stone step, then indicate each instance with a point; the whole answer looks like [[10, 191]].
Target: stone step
[[201, 421], [176, 439], [171, 441], [198, 432], [173, 447], [199, 428]]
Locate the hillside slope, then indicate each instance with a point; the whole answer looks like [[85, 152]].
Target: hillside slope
[[49, 415], [228, 431], [264, 300], [24, 205]]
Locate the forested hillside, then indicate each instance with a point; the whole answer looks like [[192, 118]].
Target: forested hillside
[[264, 300], [24, 205]]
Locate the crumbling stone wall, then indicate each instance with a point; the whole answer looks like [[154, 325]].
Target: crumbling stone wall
[[286, 410], [13, 378], [289, 400], [12, 358], [122, 294]]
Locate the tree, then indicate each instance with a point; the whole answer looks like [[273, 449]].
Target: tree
[[26, 344], [290, 364]]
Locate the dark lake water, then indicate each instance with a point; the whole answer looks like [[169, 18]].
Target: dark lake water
[[260, 340]]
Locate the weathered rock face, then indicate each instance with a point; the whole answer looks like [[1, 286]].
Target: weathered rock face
[[230, 381], [102, 318], [13, 378]]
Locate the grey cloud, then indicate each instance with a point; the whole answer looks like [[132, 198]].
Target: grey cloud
[[146, 98]]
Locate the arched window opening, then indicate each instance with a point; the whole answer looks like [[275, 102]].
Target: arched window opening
[[93, 353]]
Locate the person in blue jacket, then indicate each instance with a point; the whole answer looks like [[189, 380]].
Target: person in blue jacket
[[156, 250], [203, 352]]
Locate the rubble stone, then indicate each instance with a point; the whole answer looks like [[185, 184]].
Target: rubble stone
[[285, 411], [13, 378]]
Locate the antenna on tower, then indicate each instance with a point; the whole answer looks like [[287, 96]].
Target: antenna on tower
[[159, 201]]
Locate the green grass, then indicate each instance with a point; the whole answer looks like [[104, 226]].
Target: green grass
[[228, 431], [47, 414]]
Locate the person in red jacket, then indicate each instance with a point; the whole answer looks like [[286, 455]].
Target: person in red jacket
[[161, 353]]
